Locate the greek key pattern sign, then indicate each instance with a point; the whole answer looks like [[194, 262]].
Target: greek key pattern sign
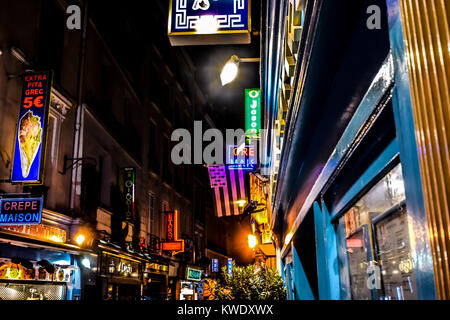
[[209, 17]]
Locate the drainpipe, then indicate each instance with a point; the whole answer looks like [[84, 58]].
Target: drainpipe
[[75, 187]]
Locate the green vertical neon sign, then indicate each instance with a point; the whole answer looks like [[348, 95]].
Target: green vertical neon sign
[[253, 113]]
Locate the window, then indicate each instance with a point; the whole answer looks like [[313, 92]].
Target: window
[[167, 164], [164, 207], [377, 241], [153, 154], [59, 107], [151, 213]]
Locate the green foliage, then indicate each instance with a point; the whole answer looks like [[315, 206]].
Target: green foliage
[[250, 283]]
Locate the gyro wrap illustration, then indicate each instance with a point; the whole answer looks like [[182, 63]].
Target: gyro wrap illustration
[[30, 137]]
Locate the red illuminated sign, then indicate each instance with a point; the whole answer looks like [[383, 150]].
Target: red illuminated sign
[[172, 243], [171, 219], [173, 246]]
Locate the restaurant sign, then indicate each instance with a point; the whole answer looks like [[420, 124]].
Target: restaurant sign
[[241, 157], [230, 266], [215, 265], [40, 231], [30, 139], [129, 177], [17, 211], [252, 113], [193, 274], [172, 243], [203, 22]]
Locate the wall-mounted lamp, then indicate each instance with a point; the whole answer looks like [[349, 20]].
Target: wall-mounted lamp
[[231, 68], [112, 267], [80, 238], [252, 241]]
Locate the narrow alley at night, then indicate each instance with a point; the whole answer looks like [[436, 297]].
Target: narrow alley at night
[[221, 158]]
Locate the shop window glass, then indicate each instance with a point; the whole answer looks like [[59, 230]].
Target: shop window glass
[[377, 242], [394, 257], [16, 291]]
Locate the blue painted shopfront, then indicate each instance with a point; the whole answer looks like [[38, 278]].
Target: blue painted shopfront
[[350, 186]]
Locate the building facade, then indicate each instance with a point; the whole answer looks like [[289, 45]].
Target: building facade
[[355, 149], [115, 101]]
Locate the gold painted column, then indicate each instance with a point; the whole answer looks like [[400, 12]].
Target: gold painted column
[[427, 44]]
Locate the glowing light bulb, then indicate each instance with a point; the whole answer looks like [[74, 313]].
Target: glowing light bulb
[[80, 239], [86, 263], [206, 24], [252, 241]]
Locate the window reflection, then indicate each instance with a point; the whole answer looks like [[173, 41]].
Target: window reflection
[[377, 241]]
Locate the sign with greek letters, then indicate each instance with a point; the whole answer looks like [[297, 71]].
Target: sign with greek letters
[[200, 22], [30, 139]]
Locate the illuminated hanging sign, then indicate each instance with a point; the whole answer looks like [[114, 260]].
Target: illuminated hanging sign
[[203, 22], [215, 265], [20, 211], [172, 243], [230, 266], [171, 228], [241, 157], [252, 113], [193, 274], [176, 246], [29, 150], [129, 176]]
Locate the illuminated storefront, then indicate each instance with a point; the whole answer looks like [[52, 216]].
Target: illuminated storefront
[[38, 263], [191, 288]]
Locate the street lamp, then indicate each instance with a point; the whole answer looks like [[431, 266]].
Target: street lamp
[[230, 70]]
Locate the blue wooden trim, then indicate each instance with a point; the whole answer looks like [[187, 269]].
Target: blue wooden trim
[[374, 169], [404, 123], [381, 83], [345, 288], [332, 256], [327, 255], [283, 275], [321, 253], [302, 287], [290, 287]]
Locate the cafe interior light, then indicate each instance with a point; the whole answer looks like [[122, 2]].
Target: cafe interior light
[[230, 70], [111, 267], [86, 263], [80, 238], [252, 241]]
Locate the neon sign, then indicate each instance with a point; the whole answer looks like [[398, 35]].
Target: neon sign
[[253, 113], [172, 243], [193, 274], [20, 211], [241, 157]]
